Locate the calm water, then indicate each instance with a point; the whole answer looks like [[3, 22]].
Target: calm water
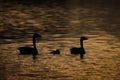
[[60, 28]]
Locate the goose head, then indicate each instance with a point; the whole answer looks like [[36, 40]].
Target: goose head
[[37, 35], [83, 38]]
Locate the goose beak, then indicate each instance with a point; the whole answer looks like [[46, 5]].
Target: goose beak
[[86, 38], [39, 37]]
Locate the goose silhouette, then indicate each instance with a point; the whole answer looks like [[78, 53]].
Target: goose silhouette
[[30, 50], [80, 50], [55, 51]]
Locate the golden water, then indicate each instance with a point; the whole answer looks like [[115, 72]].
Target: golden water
[[60, 29]]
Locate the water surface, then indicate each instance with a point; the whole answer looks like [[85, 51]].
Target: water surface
[[60, 27]]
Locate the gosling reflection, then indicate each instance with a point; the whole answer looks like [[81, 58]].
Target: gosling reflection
[[55, 52], [30, 50], [80, 50]]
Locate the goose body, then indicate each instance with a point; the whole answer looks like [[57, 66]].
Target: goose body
[[27, 51], [30, 50], [55, 52], [80, 50], [76, 50]]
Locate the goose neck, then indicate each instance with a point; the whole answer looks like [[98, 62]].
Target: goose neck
[[34, 42], [81, 43]]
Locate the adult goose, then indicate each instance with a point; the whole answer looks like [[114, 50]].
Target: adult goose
[[80, 50], [30, 50]]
